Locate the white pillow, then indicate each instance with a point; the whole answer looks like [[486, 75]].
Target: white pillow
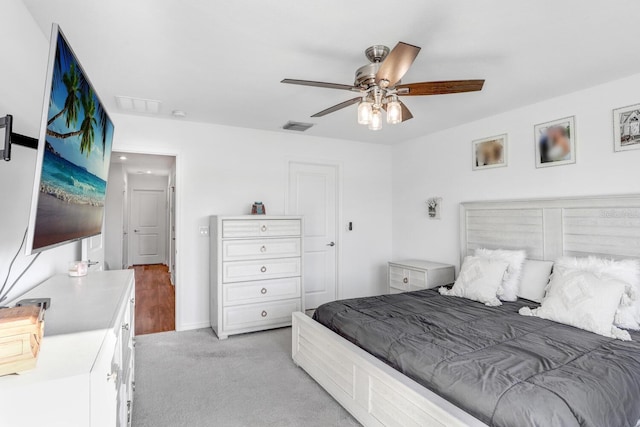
[[479, 280], [626, 271], [581, 299], [535, 278], [511, 281]]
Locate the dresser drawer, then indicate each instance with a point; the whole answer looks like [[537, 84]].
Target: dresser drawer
[[245, 228], [261, 290], [260, 315], [235, 250], [241, 271]]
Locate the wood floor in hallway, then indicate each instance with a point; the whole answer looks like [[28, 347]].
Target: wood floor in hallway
[[155, 299]]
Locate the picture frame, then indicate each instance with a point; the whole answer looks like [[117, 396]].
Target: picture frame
[[490, 153], [434, 206], [555, 142], [626, 128]]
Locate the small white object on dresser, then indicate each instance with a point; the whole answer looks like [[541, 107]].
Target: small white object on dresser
[[415, 274], [256, 272], [85, 371]]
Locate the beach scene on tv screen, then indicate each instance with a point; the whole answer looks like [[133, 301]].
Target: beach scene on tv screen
[[77, 151]]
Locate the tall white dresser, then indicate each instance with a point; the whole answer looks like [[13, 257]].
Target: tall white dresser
[[256, 272]]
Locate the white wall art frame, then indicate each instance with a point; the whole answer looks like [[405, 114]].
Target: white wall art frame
[[626, 128], [492, 143], [553, 146]]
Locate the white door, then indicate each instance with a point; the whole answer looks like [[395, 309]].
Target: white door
[[313, 194], [147, 228], [93, 251]]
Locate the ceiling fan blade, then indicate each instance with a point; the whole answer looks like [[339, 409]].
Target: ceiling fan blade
[[396, 64], [406, 114], [320, 84], [337, 107], [439, 88]]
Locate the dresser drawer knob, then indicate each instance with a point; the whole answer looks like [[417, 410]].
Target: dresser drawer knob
[[263, 248], [405, 280], [263, 228], [263, 314], [263, 269], [263, 291]]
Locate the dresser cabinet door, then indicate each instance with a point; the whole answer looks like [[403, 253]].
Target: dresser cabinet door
[[417, 280], [105, 381], [398, 279]]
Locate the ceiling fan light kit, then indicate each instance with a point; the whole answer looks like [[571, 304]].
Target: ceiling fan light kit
[[379, 86]]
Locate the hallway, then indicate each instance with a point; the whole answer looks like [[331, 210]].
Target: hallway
[[155, 299]]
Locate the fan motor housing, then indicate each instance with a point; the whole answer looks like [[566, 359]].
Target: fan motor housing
[[366, 75]]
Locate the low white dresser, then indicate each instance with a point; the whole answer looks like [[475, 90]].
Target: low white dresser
[[85, 371], [414, 275], [256, 272]]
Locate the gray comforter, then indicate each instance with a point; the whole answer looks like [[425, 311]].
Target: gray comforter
[[503, 368]]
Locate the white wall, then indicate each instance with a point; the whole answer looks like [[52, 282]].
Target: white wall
[[23, 65], [113, 217], [223, 170], [440, 165]]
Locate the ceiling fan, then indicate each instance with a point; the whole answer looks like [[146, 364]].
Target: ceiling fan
[[378, 86]]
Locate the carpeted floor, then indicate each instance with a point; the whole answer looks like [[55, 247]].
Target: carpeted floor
[[192, 379]]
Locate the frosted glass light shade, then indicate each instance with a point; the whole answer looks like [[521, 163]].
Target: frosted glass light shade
[[376, 120], [394, 112], [364, 112]]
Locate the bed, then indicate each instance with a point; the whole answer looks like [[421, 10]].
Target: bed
[[411, 369]]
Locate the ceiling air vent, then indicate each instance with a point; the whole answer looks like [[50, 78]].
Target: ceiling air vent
[[138, 105], [297, 126]]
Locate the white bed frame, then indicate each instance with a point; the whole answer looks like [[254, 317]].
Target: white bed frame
[[378, 395]]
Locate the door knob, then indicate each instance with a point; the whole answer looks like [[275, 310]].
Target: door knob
[[331, 244], [135, 231]]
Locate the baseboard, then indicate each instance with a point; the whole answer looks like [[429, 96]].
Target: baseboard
[[191, 326]]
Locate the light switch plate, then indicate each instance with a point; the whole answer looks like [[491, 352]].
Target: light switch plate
[[204, 231]]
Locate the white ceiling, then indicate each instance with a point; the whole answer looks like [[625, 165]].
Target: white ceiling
[[144, 163], [222, 61]]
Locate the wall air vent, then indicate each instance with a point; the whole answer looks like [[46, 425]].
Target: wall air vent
[[297, 126]]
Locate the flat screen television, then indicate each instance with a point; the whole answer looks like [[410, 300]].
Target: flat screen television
[[74, 152]]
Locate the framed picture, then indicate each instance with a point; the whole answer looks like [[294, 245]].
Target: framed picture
[[489, 153], [626, 128], [555, 142]]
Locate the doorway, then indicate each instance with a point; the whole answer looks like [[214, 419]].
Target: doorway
[[313, 193], [139, 231]]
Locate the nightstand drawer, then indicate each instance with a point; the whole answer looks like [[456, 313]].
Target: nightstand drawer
[[261, 290], [237, 250], [241, 228], [398, 279], [260, 315], [241, 271]]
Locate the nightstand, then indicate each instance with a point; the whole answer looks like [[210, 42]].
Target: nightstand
[[415, 274]]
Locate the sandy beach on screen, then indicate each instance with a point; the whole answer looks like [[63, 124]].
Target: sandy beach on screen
[[58, 221]]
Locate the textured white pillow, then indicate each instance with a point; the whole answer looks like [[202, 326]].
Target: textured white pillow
[[583, 300], [626, 271], [511, 282], [479, 280], [535, 278]]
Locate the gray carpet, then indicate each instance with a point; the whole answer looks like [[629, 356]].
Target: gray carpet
[[192, 379]]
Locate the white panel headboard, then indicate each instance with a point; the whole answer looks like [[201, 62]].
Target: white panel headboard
[[608, 226]]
